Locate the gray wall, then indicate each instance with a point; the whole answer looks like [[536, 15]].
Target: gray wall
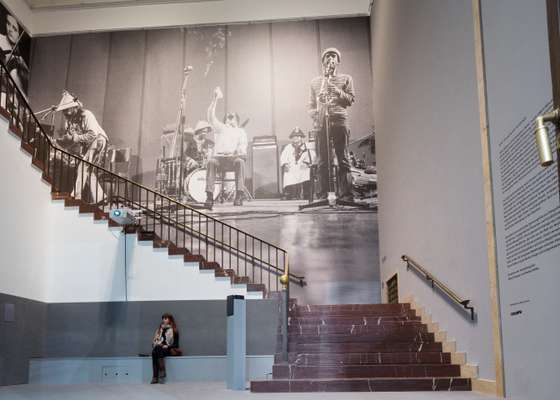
[[121, 329], [131, 80], [126, 329], [21, 339], [429, 162]]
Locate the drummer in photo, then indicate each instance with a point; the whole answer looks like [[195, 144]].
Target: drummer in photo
[[230, 151], [198, 148]]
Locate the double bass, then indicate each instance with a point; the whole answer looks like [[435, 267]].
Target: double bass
[[169, 167]]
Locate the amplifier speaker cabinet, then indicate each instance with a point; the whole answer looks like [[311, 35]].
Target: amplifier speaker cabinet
[[265, 170]]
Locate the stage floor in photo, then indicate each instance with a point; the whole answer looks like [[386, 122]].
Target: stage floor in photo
[[337, 250], [202, 391]]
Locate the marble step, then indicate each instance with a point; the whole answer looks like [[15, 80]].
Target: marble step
[[364, 371], [361, 385], [357, 320], [364, 347], [351, 313], [387, 329], [366, 358], [368, 337], [352, 307]]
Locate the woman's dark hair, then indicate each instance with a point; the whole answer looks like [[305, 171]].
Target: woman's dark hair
[[171, 320]]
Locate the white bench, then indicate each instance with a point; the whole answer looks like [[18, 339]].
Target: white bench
[[79, 370]]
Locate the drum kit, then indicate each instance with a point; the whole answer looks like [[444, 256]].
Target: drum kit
[[178, 176], [176, 180]]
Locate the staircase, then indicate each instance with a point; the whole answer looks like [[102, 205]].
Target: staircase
[[169, 224], [361, 348]]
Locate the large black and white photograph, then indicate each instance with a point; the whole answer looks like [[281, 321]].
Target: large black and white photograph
[[15, 45], [265, 126]]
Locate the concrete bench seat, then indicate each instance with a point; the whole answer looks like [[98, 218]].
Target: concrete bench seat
[[80, 370]]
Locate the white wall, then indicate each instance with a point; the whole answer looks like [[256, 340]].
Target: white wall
[[53, 254], [24, 236], [429, 162]]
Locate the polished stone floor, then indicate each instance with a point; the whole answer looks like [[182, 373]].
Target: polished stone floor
[[336, 250], [202, 391]]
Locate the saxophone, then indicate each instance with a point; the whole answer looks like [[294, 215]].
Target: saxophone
[[324, 99]]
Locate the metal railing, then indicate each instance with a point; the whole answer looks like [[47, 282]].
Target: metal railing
[[173, 224], [410, 263]]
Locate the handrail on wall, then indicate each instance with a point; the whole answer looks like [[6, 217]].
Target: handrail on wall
[[410, 263]]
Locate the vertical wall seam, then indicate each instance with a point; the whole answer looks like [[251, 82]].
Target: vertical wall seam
[[142, 97], [318, 35], [272, 86], [488, 198], [226, 52], [109, 53], [69, 63]]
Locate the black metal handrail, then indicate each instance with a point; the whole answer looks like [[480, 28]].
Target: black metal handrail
[[410, 263], [173, 222]]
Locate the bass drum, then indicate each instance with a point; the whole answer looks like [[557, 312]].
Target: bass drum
[[195, 186]]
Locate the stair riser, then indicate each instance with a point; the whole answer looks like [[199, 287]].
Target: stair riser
[[357, 329], [362, 385], [364, 371], [363, 347], [367, 358], [356, 321], [354, 314], [413, 337], [353, 307]]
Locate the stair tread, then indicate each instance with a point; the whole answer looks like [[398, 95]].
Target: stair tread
[[361, 379]]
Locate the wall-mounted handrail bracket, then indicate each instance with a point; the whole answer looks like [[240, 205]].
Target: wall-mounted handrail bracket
[[541, 136], [410, 263]]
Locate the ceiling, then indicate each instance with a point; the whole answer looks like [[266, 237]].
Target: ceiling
[[54, 4], [56, 17]]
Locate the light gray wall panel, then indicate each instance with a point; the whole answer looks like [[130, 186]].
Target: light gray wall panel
[[295, 62], [248, 81], [351, 37], [162, 88], [48, 71], [205, 52], [87, 74], [518, 86], [123, 97], [430, 163]]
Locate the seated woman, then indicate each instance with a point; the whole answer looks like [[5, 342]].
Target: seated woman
[[165, 343]]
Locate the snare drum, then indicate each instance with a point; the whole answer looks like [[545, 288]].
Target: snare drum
[[195, 185]]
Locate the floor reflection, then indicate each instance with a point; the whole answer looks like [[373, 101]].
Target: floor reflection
[[336, 250]]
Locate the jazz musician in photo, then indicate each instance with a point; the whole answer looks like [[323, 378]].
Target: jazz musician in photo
[[295, 161], [198, 147], [82, 130], [11, 55], [230, 151], [330, 95]]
